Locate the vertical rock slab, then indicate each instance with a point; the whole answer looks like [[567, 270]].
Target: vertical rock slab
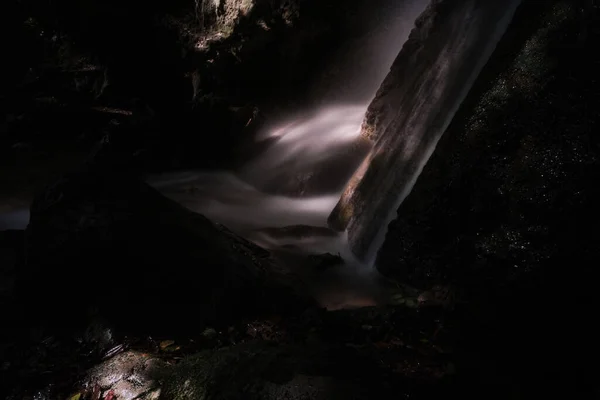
[[511, 190], [429, 79]]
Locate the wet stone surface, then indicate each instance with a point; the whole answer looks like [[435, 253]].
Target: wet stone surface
[[498, 198], [319, 355], [130, 375]]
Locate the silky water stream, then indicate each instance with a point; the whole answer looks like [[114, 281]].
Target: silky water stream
[[282, 197]]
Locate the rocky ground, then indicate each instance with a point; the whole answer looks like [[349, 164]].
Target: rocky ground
[[125, 294]]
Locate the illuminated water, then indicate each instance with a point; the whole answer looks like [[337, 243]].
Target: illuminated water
[[248, 201], [298, 179]]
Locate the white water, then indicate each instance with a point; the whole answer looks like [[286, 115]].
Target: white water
[[304, 147], [229, 198], [298, 179]]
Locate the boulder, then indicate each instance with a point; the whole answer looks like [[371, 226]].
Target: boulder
[[115, 242]]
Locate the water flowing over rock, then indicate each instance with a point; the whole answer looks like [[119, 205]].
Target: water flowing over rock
[[434, 71]]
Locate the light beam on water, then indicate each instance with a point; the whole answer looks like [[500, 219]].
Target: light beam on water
[[298, 180]]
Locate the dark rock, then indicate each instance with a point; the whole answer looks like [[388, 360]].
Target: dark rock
[[130, 375], [337, 359], [204, 60], [115, 242], [506, 210], [429, 79], [12, 259], [325, 261], [298, 231], [382, 352], [513, 169], [257, 371]]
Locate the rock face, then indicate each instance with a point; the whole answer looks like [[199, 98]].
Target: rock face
[[499, 198], [507, 206], [256, 371], [116, 243], [12, 258], [429, 79]]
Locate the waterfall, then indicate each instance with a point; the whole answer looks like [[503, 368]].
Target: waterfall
[[282, 197]]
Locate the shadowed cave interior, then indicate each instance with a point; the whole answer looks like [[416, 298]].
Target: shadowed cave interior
[[299, 199]]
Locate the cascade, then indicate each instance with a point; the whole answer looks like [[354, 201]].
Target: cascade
[[282, 197]]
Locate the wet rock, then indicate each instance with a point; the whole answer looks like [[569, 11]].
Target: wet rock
[[321, 368], [427, 83], [117, 243], [498, 197], [506, 208], [209, 333], [325, 261], [12, 258], [437, 296], [298, 232], [258, 370], [129, 376], [317, 355]]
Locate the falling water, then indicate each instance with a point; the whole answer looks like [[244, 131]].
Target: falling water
[[281, 199], [281, 202]]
